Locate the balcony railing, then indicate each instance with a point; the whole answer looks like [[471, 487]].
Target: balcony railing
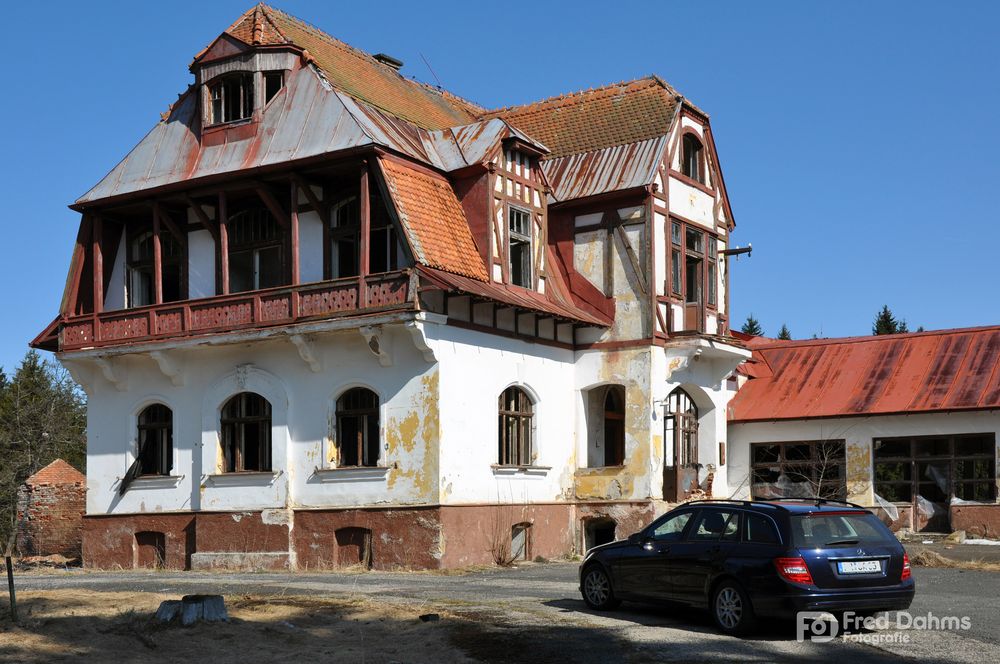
[[253, 309]]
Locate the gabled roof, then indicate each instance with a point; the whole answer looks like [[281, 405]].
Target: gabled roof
[[355, 72], [433, 219], [943, 370], [617, 114]]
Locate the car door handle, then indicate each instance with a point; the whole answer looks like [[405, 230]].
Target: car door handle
[[665, 549]]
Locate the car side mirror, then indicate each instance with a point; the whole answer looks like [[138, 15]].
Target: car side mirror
[[635, 538]]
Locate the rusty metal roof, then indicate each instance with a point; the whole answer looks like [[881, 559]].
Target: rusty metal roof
[[601, 171], [522, 298], [943, 370]]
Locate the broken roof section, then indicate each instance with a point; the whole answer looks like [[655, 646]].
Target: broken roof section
[[943, 370]]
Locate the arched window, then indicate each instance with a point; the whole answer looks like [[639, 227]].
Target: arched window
[[692, 158], [246, 433], [140, 269], [357, 428], [255, 251], [516, 412], [682, 418], [614, 426], [155, 440]]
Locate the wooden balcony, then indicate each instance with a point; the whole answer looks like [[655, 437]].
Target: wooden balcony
[[251, 310]]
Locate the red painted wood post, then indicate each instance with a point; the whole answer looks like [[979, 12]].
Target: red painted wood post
[[365, 211], [157, 257], [98, 265], [293, 223], [223, 244]]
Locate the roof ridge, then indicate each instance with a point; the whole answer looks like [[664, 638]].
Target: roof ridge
[[265, 11], [579, 94], [836, 341]]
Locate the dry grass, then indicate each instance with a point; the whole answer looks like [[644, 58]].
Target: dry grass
[[932, 559], [66, 625]]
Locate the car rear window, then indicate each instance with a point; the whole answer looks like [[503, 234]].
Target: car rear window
[[838, 529]]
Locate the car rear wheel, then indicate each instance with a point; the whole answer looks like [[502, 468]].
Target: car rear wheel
[[731, 609], [597, 591]]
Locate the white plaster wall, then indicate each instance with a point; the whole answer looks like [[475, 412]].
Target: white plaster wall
[[692, 203], [302, 404], [475, 368], [115, 297], [855, 431], [201, 264], [310, 247]]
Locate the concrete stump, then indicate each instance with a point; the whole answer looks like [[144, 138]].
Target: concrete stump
[[192, 609]]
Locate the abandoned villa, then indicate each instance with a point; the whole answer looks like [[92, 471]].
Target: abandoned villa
[[327, 315]]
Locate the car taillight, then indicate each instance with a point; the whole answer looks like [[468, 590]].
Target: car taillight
[[906, 567], [794, 570]]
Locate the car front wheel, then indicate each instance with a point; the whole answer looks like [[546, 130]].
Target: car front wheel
[[597, 590], [731, 609]]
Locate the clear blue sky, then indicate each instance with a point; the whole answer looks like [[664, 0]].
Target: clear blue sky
[[859, 140]]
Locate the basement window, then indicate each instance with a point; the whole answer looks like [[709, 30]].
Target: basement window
[[273, 82], [231, 98], [520, 247]]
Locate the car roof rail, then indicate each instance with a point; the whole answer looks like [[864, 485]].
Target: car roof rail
[[746, 503], [822, 501]]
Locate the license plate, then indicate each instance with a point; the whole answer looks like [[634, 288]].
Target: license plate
[[859, 567]]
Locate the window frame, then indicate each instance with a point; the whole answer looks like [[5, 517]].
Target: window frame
[[688, 137], [363, 414], [247, 87], [172, 256], [238, 422], [255, 246], [914, 458], [524, 424], [615, 416], [521, 238], [783, 463], [164, 440], [677, 257]]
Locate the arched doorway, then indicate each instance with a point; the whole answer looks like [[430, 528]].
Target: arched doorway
[[680, 458]]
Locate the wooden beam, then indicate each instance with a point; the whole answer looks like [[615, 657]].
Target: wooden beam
[[223, 244], [72, 291], [272, 204], [293, 230], [632, 258], [171, 225], [98, 263], [202, 217], [366, 225], [314, 202], [157, 257]]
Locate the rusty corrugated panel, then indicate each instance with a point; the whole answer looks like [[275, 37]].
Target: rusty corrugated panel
[[457, 147], [908, 373], [602, 171]]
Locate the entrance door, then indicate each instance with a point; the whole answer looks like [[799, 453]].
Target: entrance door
[[680, 459]]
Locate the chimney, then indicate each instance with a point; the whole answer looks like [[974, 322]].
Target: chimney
[[389, 61]]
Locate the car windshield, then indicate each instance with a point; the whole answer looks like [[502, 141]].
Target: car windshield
[[819, 530]]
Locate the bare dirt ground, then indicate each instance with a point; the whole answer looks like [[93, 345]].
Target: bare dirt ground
[[72, 625]]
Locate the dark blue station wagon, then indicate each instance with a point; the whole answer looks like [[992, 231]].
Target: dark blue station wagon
[[744, 560]]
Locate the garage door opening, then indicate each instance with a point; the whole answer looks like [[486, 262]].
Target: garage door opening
[[597, 532]]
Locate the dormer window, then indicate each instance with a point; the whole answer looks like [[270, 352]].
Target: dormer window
[[520, 247], [692, 158], [273, 82], [232, 98]]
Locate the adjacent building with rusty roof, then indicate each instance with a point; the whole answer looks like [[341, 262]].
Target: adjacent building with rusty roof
[[320, 293], [905, 423]]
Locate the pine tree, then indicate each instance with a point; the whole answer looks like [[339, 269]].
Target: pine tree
[[920, 328], [784, 334], [43, 417], [752, 327], [902, 327], [885, 322]]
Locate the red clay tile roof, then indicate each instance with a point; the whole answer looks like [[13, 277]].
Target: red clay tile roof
[[433, 219], [356, 72], [57, 472], [615, 114], [934, 371]]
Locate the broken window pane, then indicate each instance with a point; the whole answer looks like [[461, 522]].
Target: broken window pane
[[246, 433], [520, 247], [273, 82]]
